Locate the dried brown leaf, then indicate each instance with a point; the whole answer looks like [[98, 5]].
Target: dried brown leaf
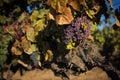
[[64, 18]]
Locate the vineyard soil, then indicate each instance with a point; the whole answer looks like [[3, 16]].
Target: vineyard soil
[[93, 74]]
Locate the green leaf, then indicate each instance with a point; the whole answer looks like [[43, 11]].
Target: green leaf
[[30, 33], [23, 17], [34, 15], [32, 49], [39, 25], [3, 19]]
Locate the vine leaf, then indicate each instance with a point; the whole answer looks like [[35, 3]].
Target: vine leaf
[[25, 44], [39, 25], [34, 15], [50, 16], [90, 37], [9, 29], [58, 5], [53, 3], [48, 55], [32, 49], [30, 33], [61, 6], [74, 4], [64, 18], [16, 48], [23, 17], [93, 11]]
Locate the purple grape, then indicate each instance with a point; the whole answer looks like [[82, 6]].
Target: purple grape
[[76, 32]]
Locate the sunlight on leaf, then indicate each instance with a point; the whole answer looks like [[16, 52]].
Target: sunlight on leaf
[[25, 44], [34, 15], [50, 16], [70, 45], [74, 4], [48, 55], [64, 18], [90, 37], [61, 6], [53, 3], [32, 49], [39, 25], [30, 33]]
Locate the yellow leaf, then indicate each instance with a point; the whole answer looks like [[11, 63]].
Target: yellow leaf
[[30, 33], [39, 25], [25, 44], [70, 45], [53, 3], [61, 6], [22, 17], [48, 55], [32, 49], [34, 15]]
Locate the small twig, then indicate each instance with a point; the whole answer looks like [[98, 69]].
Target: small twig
[[22, 63], [83, 54]]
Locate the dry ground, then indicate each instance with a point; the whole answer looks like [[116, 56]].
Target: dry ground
[[46, 74]]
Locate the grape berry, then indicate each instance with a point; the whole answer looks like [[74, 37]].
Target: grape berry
[[77, 31]]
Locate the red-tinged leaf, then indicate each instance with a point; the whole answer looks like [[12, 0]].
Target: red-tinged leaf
[[16, 48], [10, 29], [39, 25], [61, 6], [50, 16], [74, 4], [90, 37], [64, 18], [82, 2]]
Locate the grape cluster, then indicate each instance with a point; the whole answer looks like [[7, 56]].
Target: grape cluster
[[77, 31], [35, 57]]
